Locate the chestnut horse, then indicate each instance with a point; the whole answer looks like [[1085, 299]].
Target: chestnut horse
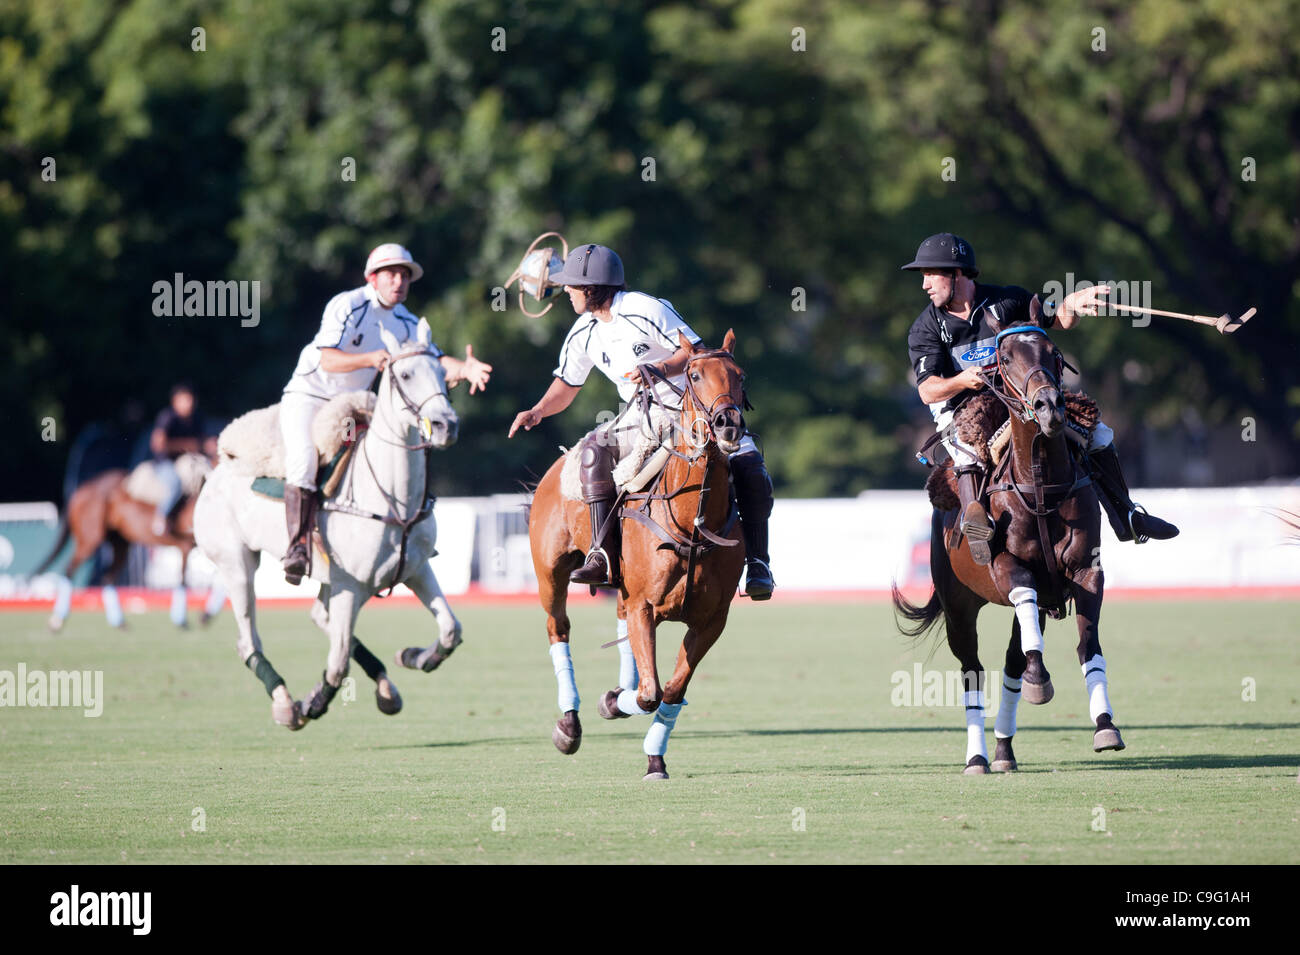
[[100, 511], [681, 554], [1039, 494]]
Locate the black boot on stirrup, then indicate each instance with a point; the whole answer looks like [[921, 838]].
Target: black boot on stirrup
[[1129, 521], [754, 501], [601, 565], [975, 522]]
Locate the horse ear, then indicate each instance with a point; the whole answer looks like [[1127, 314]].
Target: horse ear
[[686, 343], [729, 342], [390, 341], [1036, 312], [424, 334]]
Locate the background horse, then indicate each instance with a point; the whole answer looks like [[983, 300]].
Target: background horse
[[681, 555], [1040, 493], [375, 533], [101, 511]]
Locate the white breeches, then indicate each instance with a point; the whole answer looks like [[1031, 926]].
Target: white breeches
[[963, 456], [296, 414]]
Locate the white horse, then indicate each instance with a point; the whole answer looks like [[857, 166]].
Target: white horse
[[377, 532]]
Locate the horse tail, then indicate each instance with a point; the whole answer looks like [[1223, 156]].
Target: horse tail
[[923, 618], [65, 531]]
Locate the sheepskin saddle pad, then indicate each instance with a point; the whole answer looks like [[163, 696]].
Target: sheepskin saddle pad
[[252, 443], [143, 483], [982, 423], [643, 447]]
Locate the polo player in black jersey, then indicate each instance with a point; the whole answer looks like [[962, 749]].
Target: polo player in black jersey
[[955, 337]]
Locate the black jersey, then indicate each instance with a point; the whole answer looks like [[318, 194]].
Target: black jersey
[[174, 426], [942, 344]]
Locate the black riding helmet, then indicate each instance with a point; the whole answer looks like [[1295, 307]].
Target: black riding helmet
[[944, 251]]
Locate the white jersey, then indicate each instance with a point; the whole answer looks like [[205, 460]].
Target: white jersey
[[351, 324], [643, 330]]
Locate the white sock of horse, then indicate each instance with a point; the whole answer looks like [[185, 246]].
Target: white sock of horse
[[178, 606], [62, 597], [1005, 724], [627, 675], [563, 664], [1094, 678], [627, 703], [656, 740], [974, 700], [1025, 600], [112, 606]]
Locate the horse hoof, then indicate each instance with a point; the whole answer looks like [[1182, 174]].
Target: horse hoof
[[978, 766], [206, 619], [1107, 737], [608, 706], [1004, 759], [288, 715], [1003, 766], [389, 705], [655, 769], [567, 735], [428, 660], [55, 624], [1037, 693]]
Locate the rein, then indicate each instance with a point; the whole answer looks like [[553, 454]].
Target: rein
[[391, 519], [1020, 405], [701, 540]]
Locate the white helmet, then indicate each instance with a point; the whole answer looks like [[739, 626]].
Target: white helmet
[[390, 253]]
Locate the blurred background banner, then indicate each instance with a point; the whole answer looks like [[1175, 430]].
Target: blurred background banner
[[765, 166]]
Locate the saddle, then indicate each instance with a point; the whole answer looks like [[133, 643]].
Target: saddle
[[253, 445], [982, 424]]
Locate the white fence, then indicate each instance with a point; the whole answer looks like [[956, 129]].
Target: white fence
[[1231, 537]]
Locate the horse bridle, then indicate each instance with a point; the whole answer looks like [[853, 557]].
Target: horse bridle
[[1012, 395], [701, 413], [396, 381]]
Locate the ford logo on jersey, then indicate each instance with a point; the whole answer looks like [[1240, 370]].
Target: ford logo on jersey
[[979, 354]]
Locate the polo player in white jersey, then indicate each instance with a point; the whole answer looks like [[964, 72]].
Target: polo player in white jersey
[[346, 355], [617, 331]]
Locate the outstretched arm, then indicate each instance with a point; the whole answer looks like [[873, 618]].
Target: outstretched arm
[[469, 369], [558, 397], [1085, 301]]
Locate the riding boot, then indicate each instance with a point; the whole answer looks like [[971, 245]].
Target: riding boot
[[754, 501], [1130, 521], [601, 567], [975, 522], [300, 517]]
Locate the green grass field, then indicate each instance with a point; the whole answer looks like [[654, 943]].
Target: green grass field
[[790, 719]]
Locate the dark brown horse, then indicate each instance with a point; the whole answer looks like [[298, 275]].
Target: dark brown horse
[[101, 511], [1040, 494], [681, 554]]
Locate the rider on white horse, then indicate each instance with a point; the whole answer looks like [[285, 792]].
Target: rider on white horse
[[347, 354]]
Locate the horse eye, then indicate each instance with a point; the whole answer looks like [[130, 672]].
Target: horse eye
[[695, 376], [406, 375]]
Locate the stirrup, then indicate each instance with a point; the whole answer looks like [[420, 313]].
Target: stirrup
[[764, 584], [605, 581], [1137, 538]]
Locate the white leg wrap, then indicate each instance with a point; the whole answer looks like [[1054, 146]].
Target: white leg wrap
[[1094, 678], [627, 675], [1025, 600], [1004, 726], [178, 606], [627, 703], [563, 664], [656, 740], [62, 598], [974, 701], [113, 607], [216, 599]]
